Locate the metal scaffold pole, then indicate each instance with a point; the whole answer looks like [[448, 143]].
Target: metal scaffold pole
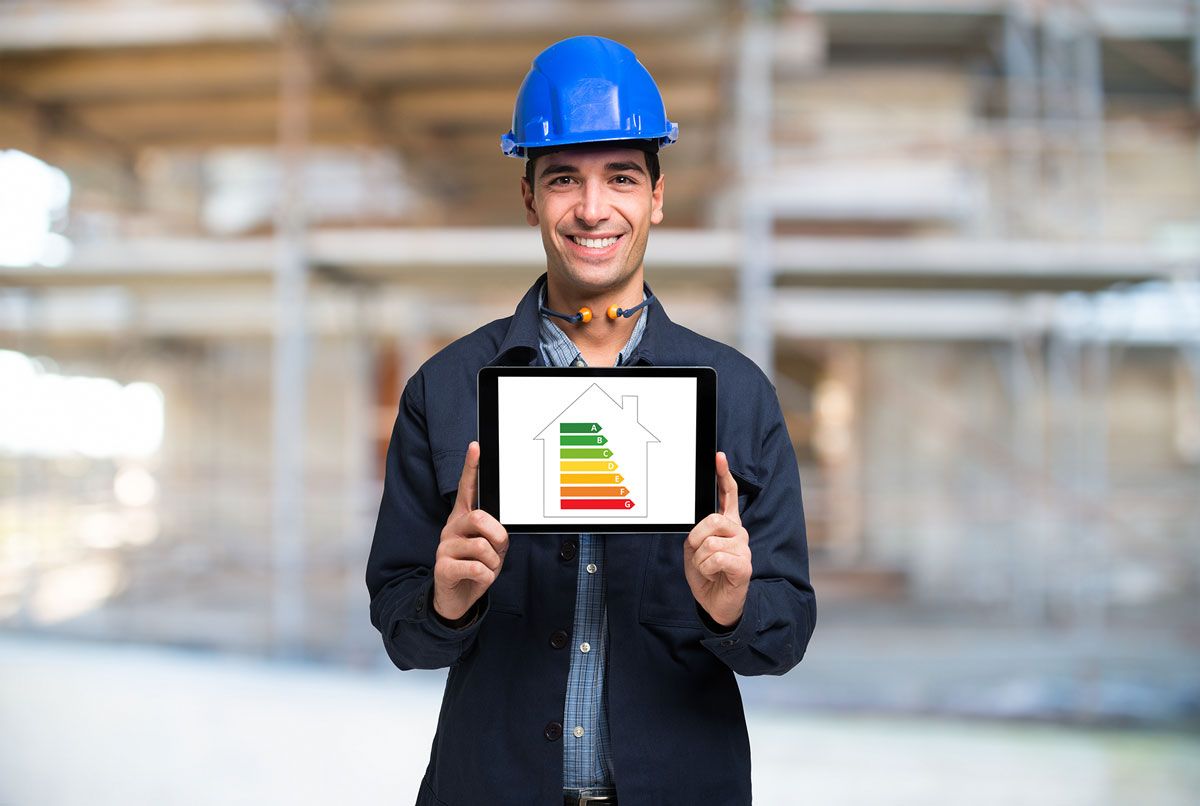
[[1190, 353], [1025, 376], [1196, 55], [1023, 112], [755, 275], [362, 497], [289, 359], [1089, 111]]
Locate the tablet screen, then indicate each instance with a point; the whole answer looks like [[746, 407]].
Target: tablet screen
[[598, 449]]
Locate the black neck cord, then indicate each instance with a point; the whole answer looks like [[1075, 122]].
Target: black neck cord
[[584, 314]]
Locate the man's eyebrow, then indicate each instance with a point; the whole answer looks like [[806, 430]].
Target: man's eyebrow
[[627, 167], [612, 167], [558, 168]]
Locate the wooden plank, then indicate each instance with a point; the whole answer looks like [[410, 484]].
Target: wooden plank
[[146, 73], [550, 19], [198, 70], [176, 120], [59, 24], [506, 61]]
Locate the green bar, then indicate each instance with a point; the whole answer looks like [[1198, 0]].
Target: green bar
[[578, 428], [583, 439], [584, 453]]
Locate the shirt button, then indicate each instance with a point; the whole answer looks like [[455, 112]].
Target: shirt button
[[553, 731], [591, 568], [558, 639], [568, 550], [578, 731], [578, 362], [729, 642], [585, 647]]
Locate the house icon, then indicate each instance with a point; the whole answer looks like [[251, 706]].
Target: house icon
[[596, 457]]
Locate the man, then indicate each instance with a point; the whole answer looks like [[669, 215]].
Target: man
[[587, 668]]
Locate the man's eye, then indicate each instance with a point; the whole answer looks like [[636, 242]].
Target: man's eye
[[624, 180], [560, 180]]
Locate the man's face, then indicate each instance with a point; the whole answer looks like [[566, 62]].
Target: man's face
[[595, 208]]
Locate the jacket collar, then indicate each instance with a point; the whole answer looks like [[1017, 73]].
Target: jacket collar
[[522, 332]]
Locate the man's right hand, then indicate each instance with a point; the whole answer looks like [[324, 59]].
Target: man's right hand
[[472, 548]]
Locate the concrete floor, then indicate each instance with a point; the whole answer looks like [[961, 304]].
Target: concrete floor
[[96, 724]]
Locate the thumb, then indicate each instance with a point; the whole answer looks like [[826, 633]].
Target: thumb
[[727, 503], [468, 483]]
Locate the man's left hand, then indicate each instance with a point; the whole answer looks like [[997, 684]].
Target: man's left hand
[[716, 555]]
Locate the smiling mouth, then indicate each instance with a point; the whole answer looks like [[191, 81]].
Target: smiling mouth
[[596, 243]]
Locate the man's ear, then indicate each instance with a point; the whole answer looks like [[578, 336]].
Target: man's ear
[[656, 210], [531, 216]]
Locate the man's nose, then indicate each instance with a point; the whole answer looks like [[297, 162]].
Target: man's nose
[[592, 207]]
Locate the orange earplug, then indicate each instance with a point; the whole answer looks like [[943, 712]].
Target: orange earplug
[[585, 314], [613, 312]]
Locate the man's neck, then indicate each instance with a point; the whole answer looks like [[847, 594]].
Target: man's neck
[[601, 339]]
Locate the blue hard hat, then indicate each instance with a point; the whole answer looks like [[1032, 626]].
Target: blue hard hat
[[587, 89]]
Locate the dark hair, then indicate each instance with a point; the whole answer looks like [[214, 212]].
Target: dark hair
[[648, 147]]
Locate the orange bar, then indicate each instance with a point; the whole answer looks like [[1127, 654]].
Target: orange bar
[[594, 491]]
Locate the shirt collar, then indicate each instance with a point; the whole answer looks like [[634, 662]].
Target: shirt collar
[[555, 343], [523, 335]]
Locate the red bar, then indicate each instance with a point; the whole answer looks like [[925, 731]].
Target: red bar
[[596, 503]]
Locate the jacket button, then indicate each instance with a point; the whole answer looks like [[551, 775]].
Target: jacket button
[[553, 731], [558, 639], [568, 550]]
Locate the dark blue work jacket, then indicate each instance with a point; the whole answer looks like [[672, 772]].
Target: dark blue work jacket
[[675, 713]]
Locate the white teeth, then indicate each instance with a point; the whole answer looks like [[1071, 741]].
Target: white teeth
[[594, 243]]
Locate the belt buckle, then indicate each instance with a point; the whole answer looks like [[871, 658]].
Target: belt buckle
[[584, 800]]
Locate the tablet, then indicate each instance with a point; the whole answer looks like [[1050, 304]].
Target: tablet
[[598, 449]]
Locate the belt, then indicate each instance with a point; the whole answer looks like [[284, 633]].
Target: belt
[[584, 797]]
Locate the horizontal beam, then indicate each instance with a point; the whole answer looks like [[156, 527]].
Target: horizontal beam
[[335, 115], [387, 19], [1113, 19], [1143, 317], [165, 72], [944, 258], [446, 313], [916, 7], [56, 24], [506, 61], [60, 24], [223, 69], [390, 254]]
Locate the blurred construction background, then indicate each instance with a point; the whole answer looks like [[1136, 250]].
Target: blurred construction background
[[961, 236]]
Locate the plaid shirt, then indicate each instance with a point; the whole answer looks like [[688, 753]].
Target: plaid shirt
[[587, 752]]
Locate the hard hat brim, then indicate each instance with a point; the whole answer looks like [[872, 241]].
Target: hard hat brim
[[512, 148]]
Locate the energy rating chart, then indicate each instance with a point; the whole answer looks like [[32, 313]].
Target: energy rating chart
[[588, 475], [574, 450], [596, 458]]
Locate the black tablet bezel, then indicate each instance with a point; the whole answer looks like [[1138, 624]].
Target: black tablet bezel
[[706, 443]]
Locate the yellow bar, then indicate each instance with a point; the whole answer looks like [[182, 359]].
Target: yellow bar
[[587, 464], [592, 478]]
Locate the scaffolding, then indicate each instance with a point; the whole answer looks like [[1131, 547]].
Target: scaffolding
[[1008, 247]]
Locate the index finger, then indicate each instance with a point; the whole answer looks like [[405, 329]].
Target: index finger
[[728, 503], [468, 483]]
